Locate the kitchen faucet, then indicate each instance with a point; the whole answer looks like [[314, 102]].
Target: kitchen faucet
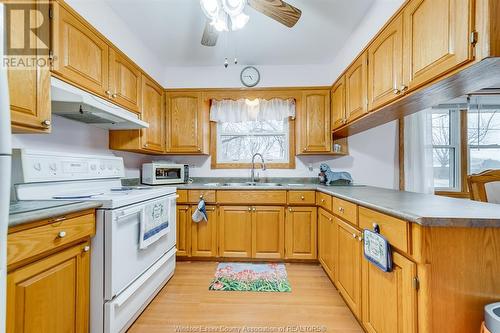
[[252, 177]]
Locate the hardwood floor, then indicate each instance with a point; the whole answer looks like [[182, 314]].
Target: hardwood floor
[[186, 305]]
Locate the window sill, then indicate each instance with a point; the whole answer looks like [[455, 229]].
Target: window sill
[[453, 194]]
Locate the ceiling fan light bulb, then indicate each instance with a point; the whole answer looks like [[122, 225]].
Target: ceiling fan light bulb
[[210, 8], [221, 22], [238, 22], [233, 7]]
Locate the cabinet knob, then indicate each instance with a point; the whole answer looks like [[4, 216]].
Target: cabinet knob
[[354, 236], [61, 234], [86, 248], [396, 91], [403, 88], [302, 197], [341, 209], [254, 209], [330, 219], [249, 209], [322, 200], [114, 95], [108, 92], [289, 209], [360, 238], [46, 123], [201, 196], [146, 145]]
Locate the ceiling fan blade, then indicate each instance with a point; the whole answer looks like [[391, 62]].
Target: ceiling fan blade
[[210, 35], [278, 10]]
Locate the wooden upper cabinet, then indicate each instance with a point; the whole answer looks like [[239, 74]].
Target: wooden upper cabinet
[[153, 112], [80, 55], [124, 82], [29, 89], [187, 123], [356, 88], [338, 103], [51, 294], [436, 38], [235, 231], [301, 233], [314, 122], [268, 232], [389, 299], [348, 269], [385, 65]]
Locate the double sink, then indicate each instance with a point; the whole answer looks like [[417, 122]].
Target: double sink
[[250, 184]]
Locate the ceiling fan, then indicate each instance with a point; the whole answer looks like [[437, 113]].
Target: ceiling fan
[[223, 15]]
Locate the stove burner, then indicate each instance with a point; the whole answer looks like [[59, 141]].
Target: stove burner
[[130, 188]]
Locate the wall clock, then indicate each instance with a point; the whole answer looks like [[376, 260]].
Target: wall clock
[[250, 76]]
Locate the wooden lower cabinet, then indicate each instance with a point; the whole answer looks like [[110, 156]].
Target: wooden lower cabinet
[[51, 294], [204, 234], [301, 233], [327, 240], [183, 231], [389, 299], [268, 232], [235, 231], [348, 268]]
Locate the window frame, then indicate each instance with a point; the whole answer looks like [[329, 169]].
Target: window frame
[[214, 138]]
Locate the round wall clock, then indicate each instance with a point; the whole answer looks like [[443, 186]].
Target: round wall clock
[[250, 76]]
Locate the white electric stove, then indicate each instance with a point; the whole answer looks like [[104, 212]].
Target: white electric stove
[[124, 277]]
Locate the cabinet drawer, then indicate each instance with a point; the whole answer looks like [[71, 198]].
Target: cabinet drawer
[[324, 200], [31, 242], [252, 197], [346, 210], [301, 197], [395, 230], [183, 196], [196, 195]]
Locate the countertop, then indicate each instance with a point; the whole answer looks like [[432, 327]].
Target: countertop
[[424, 209], [27, 211]]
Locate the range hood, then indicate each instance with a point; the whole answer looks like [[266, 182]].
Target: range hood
[[76, 104]]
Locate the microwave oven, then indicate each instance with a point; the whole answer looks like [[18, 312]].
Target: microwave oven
[[158, 173]]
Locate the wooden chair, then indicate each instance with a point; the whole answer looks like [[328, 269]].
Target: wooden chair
[[484, 329], [477, 184]]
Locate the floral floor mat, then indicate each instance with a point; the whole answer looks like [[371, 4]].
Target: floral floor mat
[[251, 277]]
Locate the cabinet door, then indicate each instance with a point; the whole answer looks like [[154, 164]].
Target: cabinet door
[[348, 269], [385, 65], [51, 294], [183, 231], [314, 120], [204, 235], [389, 299], [338, 103], [268, 232], [436, 37], [326, 242], [29, 89], [356, 83], [124, 82], [80, 55], [235, 231], [153, 112], [185, 122], [301, 233]]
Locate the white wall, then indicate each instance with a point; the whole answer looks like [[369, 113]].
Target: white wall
[[75, 137]]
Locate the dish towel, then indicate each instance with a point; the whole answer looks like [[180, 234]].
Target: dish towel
[[342, 177], [154, 223], [200, 213]]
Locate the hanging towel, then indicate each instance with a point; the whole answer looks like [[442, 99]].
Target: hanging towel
[[200, 213], [154, 223]]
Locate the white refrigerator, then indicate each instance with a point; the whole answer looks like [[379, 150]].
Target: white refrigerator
[[5, 165]]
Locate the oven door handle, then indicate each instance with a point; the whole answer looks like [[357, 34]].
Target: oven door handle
[[126, 213], [127, 293]]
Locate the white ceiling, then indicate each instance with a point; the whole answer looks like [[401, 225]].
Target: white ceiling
[[172, 29]]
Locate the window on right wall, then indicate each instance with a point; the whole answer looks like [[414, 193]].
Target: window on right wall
[[465, 140]]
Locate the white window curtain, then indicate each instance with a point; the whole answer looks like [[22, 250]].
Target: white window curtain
[[418, 162], [242, 110]]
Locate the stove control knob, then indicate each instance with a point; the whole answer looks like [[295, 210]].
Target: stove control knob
[[37, 166], [93, 167], [102, 166], [110, 167], [53, 166]]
